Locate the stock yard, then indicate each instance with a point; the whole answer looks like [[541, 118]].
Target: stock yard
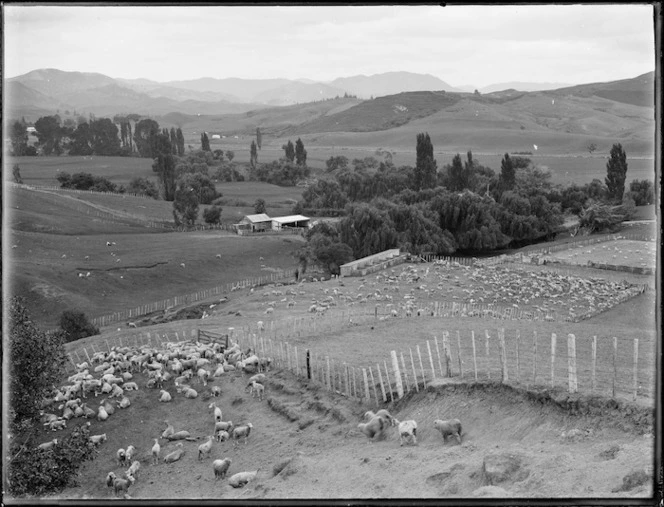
[[305, 441]]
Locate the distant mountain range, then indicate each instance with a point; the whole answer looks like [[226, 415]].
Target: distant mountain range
[[46, 91]]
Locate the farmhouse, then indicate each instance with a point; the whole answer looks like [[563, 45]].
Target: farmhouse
[[254, 223], [290, 221]]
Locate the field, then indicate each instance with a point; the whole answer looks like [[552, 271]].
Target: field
[[620, 253]]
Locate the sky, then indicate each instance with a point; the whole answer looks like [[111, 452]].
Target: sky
[[462, 45]]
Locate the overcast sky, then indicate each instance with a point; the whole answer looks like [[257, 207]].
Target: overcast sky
[[462, 45]]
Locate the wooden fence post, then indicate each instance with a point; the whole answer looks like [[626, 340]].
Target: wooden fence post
[[397, 374], [405, 373], [594, 363], [488, 360], [553, 357], [472, 337], [518, 364], [446, 351], [424, 378], [571, 364], [308, 365], [459, 354], [412, 363], [615, 365], [440, 365], [327, 360], [433, 370], [297, 363], [534, 357], [387, 379], [503, 355], [382, 387], [373, 383], [290, 368], [367, 395], [636, 370]]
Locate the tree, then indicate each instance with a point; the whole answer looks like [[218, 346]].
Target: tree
[[259, 206], [75, 325], [35, 366], [143, 186], [456, 178], [253, 158], [507, 178], [174, 141], [19, 138], [230, 155], [180, 143], [591, 147], [425, 165], [205, 142], [642, 192], [105, 139], [289, 150], [81, 140], [144, 133], [616, 173], [185, 206], [212, 215], [49, 134], [16, 173], [300, 153], [259, 138]]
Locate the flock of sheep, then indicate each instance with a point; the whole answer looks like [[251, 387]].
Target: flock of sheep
[[174, 366], [379, 422]]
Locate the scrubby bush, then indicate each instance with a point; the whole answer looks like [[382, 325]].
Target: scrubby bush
[[143, 186], [642, 192], [76, 325], [212, 215]]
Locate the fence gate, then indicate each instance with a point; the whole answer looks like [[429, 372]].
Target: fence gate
[[210, 337]]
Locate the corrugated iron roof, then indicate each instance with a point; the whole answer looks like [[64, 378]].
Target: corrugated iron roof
[[261, 217], [290, 218]]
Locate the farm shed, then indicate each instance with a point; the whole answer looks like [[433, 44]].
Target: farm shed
[[290, 221], [254, 223], [372, 263]]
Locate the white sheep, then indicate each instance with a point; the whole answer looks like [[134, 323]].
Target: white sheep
[[107, 406], [222, 435], [223, 425], [375, 428], [133, 469], [168, 431], [217, 411], [204, 449], [408, 431], [261, 325], [130, 386], [189, 392], [257, 390], [48, 445], [259, 377], [165, 396], [216, 391], [220, 467], [122, 484], [110, 479], [121, 456], [98, 439], [448, 428], [381, 413], [180, 435], [156, 449], [240, 479], [203, 376], [129, 453], [219, 371], [175, 455], [124, 402], [58, 424], [241, 431]]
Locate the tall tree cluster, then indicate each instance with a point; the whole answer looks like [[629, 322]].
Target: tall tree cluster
[[425, 164], [616, 173]]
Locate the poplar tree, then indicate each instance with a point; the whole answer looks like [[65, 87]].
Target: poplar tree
[[300, 153], [425, 165], [616, 173]]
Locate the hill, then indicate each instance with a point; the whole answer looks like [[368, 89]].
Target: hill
[[638, 91], [391, 83]]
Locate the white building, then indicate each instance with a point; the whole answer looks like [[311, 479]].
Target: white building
[[290, 221]]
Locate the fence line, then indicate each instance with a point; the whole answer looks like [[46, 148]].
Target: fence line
[[74, 190]]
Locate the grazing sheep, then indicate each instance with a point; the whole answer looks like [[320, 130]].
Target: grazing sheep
[[133, 469], [260, 378], [217, 411], [375, 428], [168, 431], [240, 479], [222, 435], [156, 449], [220, 467], [257, 390], [223, 425], [122, 484], [124, 402], [98, 439], [204, 449], [130, 386], [381, 413], [129, 453], [58, 424], [165, 396], [242, 431], [175, 455], [408, 431], [121, 456], [48, 445], [448, 428]]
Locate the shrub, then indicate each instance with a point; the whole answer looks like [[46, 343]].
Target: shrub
[[76, 325], [35, 471], [143, 186], [212, 215]]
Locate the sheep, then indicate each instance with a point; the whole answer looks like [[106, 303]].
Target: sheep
[[108, 406], [129, 453], [204, 449], [121, 456], [68, 413], [165, 396], [116, 392], [203, 376], [131, 324], [264, 363], [240, 479], [216, 391], [448, 428], [110, 479], [223, 425], [48, 445], [381, 413], [168, 431], [122, 484], [375, 428], [261, 325], [220, 467], [87, 411], [130, 386], [59, 424], [190, 393], [269, 311], [408, 431], [102, 415], [133, 469], [222, 435], [257, 390], [241, 431], [175, 455], [259, 377], [219, 371], [123, 403], [217, 411], [181, 435], [98, 439], [156, 449]]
